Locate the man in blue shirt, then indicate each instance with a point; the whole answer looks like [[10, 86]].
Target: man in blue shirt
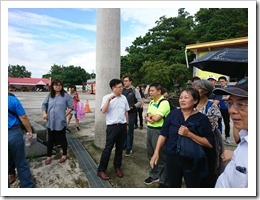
[[16, 152], [235, 174], [224, 109]]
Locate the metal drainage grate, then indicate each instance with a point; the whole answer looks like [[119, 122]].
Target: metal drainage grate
[[87, 164]]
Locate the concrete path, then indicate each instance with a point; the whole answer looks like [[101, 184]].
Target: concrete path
[[32, 104]]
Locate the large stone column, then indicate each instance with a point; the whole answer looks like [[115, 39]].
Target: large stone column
[[107, 63]]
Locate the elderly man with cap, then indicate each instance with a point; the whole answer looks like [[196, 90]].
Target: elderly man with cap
[[235, 174]]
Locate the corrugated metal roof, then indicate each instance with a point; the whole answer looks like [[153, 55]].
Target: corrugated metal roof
[[28, 81], [219, 43]]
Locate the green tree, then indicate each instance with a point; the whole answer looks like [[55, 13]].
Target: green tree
[[163, 45], [168, 75], [221, 23], [17, 71], [92, 75], [70, 75]]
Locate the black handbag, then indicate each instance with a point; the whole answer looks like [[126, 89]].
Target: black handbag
[[191, 151], [187, 148]]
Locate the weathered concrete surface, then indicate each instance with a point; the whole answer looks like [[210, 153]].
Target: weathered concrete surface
[[107, 62]]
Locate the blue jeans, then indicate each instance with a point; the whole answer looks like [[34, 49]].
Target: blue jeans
[[130, 133], [16, 153]]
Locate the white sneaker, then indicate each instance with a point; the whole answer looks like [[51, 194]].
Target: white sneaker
[[228, 140]]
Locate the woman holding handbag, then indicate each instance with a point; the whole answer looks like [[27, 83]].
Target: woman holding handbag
[[184, 124], [75, 97]]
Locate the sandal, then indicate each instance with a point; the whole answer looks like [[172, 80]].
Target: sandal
[[47, 161], [63, 159]]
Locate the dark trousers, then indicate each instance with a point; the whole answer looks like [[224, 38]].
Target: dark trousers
[[226, 119], [176, 173], [57, 137], [115, 135], [11, 167], [210, 180], [130, 134], [139, 114], [220, 124]]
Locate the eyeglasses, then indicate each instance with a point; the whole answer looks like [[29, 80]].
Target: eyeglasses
[[237, 105]]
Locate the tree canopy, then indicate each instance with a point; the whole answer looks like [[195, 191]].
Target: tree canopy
[[70, 75], [219, 24], [17, 71], [159, 56]]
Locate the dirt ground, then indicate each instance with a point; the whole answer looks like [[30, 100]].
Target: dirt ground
[[69, 174]]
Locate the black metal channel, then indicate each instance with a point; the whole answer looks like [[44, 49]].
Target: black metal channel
[[87, 164]]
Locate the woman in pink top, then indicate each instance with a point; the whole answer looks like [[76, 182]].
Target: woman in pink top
[[75, 96]]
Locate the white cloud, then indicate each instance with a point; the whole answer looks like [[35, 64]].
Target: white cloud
[[142, 19], [27, 19], [35, 42], [38, 41]]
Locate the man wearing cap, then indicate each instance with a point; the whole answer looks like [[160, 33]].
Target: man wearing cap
[[235, 174], [213, 97]]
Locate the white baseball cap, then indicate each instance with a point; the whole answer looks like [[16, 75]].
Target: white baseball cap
[[212, 77]]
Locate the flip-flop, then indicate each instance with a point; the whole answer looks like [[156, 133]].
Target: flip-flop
[[47, 161], [63, 159]]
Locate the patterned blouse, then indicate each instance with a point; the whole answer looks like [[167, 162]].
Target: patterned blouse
[[213, 114]]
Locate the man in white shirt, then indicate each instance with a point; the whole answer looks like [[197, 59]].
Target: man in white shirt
[[116, 108], [235, 174]]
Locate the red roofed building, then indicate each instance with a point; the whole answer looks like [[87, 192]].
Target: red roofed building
[[29, 84]]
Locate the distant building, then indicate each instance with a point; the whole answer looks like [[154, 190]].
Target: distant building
[[29, 84], [201, 49], [91, 86]]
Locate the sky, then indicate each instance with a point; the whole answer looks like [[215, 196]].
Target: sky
[[41, 37], [38, 34]]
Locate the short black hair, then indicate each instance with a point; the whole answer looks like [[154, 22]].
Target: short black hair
[[158, 86], [195, 78], [194, 93], [222, 77], [115, 82], [129, 77], [73, 86], [164, 90]]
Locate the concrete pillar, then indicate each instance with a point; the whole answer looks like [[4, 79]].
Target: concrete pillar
[[107, 63]]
